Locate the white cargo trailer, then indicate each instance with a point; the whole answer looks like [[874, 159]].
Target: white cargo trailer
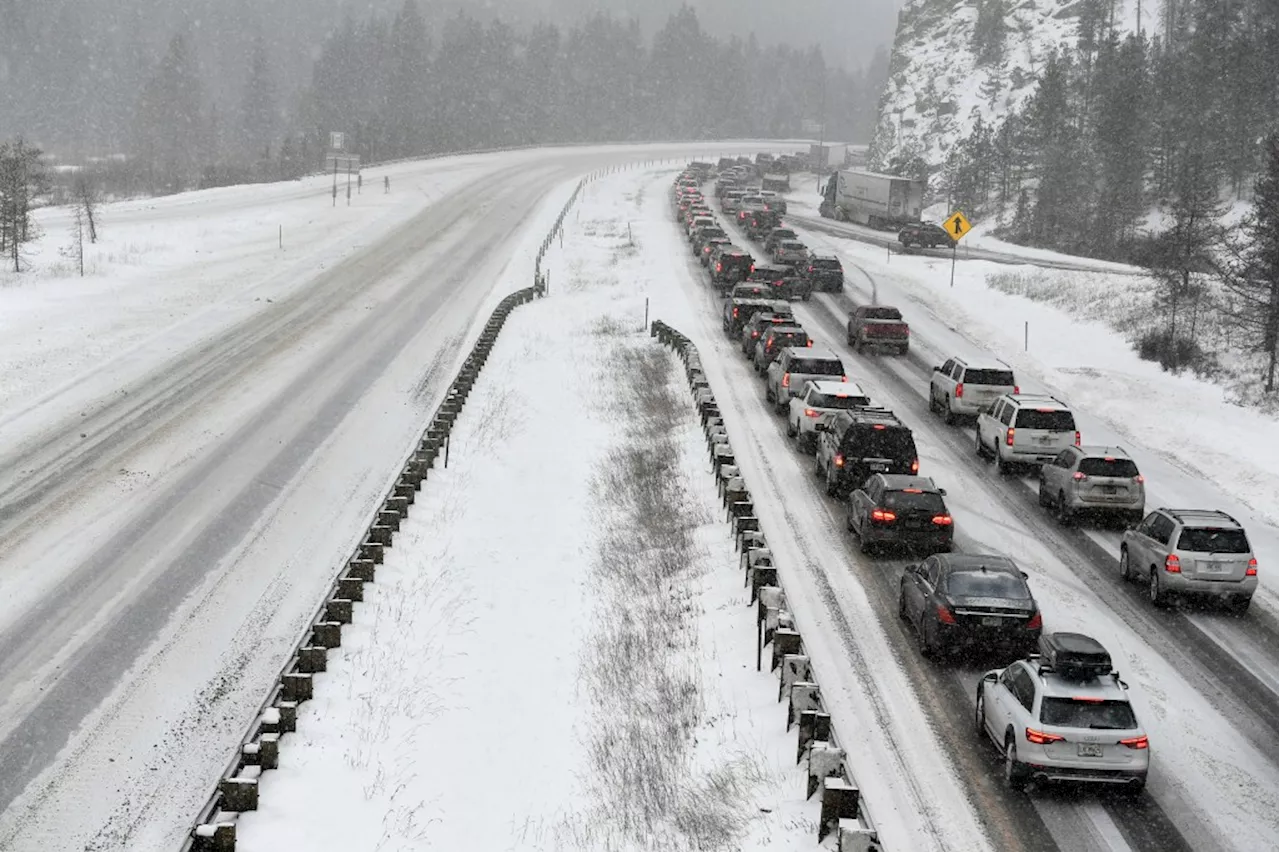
[[867, 198], [828, 156]]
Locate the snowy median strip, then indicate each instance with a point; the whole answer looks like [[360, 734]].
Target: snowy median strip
[[558, 652]]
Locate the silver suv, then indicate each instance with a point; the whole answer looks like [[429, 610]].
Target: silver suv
[[1191, 551], [1025, 429], [795, 365], [963, 387], [1063, 715], [1093, 480], [817, 399]]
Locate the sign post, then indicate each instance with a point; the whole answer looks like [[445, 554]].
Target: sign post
[[957, 226]]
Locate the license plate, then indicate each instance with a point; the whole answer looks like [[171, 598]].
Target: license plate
[[992, 621], [1045, 439], [879, 467], [1214, 568], [1108, 489], [1089, 750]]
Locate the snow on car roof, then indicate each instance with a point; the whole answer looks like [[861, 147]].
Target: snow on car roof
[[830, 388]]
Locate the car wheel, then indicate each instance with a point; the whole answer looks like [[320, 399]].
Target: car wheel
[[1065, 515], [902, 604], [817, 465], [1041, 497], [903, 350], [1239, 605], [927, 648], [979, 710], [1002, 466], [831, 484], [1015, 774], [934, 408], [1126, 571], [978, 448], [779, 407], [948, 416], [768, 395], [792, 431], [1159, 596]]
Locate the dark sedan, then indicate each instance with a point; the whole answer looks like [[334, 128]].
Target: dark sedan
[[980, 603], [891, 509]]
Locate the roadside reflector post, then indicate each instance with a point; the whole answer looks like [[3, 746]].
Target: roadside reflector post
[[646, 304], [446, 450], [1026, 335]]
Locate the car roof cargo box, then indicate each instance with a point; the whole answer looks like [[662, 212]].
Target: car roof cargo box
[[1075, 656]]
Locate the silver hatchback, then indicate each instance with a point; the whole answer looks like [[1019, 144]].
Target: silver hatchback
[[1098, 481], [1191, 551]]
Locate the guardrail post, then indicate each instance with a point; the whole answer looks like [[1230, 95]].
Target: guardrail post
[[239, 794], [297, 686], [815, 726], [839, 801], [214, 837]]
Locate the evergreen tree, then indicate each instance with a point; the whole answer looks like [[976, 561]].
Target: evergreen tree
[[404, 108], [1120, 128], [1253, 278], [989, 32], [169, 125], [258, 108]]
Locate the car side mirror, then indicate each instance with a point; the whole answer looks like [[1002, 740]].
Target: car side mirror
[[913, 569], [1025, 575], [942, 492], [937, 369], [991, 677]]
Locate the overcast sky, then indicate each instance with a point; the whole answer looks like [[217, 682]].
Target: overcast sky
[[849, 31]]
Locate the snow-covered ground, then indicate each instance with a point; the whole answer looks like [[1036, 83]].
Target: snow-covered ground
[[558, 652]]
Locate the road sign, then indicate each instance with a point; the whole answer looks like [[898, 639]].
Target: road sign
[[336, 139], [957, 226], [339, 162]]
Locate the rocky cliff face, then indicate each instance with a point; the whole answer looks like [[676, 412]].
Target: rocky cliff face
[[957, 60]]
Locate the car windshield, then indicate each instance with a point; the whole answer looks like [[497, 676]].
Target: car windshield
[[1213, 540], [1053, 419], [883, 314], [1107, 715], [1101, 466], [919, 501], [999, 378], [818, 366], [825, 400], [987, 584]]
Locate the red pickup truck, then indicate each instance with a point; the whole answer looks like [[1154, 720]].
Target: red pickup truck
[[878, 325]]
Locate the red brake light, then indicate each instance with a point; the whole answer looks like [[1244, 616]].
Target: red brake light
[[1139, 479], [786, 380], [719, 266], [1252, 570], [915, 465], [1136, 742], [1077, 476], [883, 515], [945, 616], [811, 269], [735, 313], [1077, 438], [878, 426], [1035, 622], [1017, 389], [959, 390], [809, 342], [1041, 738], [844, 378], [912, 491], [809, 412], [942, 520], [1173, 564], [1008, 437], [839, 460]]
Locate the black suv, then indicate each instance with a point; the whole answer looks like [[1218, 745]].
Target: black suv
[[857, 443], [922, 234], [729, 266], [906, 510], [738, 311], [759, 223], [825, 272]]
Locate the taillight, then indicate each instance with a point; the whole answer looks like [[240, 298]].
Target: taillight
[[809, 412], [786, 380], [1077, 476], [915, 465], [942, 520], [1139, 479], [1041, 738], [1035, 623], [883, 515], [1077, 438], [838, 460], [1136, 742], [959, 390], [945, 616], [1173, 564], [1252, 570], [719, 266], [1008, 437], [844, 378], [755, 334], [810, 342], [735, 313], [811, 269], [1016, 389]]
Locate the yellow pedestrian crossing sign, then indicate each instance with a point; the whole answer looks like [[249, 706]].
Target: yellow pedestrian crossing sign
[[957, 226]]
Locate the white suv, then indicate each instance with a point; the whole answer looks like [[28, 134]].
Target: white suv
[[1025, 429], [818, 398], [964, 387], [795, 365], [1063, 715]]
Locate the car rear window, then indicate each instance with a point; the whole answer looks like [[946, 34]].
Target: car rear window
[[790, 244], [818, 366], [1108, 467], [987, 584], [884, 313], [888, 443], [999, 378], [1101, 715], [826, 263], [824, 400], [1213, 540], [791, 338], [1054, 419], [920, 501]]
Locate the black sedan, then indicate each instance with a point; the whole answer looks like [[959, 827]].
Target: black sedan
[[891, 509], [980, 603]]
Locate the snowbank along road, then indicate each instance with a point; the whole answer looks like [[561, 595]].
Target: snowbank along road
[[171, 510]]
